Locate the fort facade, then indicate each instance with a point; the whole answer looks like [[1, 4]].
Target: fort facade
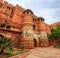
[[23, 26]]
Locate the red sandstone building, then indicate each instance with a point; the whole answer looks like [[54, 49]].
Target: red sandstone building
[[23, 27]]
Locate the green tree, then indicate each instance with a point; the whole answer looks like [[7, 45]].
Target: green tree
[[55, 34], [5, 43]]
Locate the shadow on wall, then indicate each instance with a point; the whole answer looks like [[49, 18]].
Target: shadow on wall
[[1, 36], [35, 42]]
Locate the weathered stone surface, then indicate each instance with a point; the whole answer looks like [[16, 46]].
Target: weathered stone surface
[[15, 20]]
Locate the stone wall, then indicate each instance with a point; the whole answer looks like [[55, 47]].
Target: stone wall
[[21, 20]]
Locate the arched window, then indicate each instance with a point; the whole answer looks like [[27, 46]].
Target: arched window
[[34, 26], [6, 22], [8, 27], [8, 7], [20, 32], [34, 20], [27, 12], [2, 26], [41, 20]]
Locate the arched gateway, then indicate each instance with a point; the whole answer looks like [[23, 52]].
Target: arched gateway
[[16, 20], [35, 42]]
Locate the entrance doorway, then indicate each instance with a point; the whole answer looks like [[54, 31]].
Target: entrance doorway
[[35, 42]]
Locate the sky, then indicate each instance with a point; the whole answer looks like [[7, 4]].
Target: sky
[[48, 9]]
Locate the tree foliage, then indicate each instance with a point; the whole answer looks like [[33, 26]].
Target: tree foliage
[[22, 47], [5, 43], [55, 33]]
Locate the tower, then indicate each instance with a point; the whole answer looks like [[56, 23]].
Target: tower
[[27, 30], [42, 32]]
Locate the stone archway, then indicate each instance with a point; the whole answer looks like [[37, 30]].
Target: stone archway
[[35, 42]]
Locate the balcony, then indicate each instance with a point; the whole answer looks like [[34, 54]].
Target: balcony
[[6, 25], [8, 28]]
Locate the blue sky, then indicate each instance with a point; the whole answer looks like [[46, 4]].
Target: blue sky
[[49, 9]]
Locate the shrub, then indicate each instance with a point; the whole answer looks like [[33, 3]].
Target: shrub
[[22, 47]]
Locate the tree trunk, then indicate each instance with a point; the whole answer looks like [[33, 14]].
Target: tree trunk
[[2, 50]]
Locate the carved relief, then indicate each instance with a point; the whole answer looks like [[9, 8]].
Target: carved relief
[[25, 20], [27, 32], [43, 35]]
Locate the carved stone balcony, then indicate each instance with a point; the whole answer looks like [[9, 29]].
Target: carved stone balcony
[[10, 26]]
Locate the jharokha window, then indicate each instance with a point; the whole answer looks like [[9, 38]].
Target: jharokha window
[[34, 20], [2, 26], [8, 27], [27, 12], [8, 8], [34, 26], [6, 22]]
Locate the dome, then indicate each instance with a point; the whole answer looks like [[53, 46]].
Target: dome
[[41, 18], [28, 10]]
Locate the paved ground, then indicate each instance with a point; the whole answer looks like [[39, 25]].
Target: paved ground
[[48, 52]]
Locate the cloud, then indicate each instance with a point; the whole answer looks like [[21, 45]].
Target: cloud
[[49, 9], [47, 14], [55, 4]]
